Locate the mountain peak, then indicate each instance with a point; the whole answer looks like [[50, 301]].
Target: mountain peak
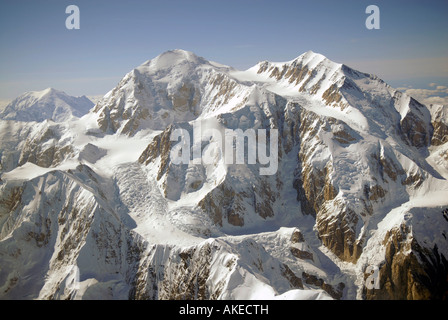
[[313, 58], [46, 104], [50, 90], [309, 53], [174, 57], [47, 92]]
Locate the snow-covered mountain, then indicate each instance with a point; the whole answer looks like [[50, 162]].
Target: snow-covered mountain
[[361, 185], [46, 104]]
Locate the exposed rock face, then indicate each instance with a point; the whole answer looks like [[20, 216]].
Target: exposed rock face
[[159, 147], [440, 124], [335, 293], [92, 153], [43, 150], [414, 126], [187, 274], [420, 273], [332, 95], [179, 276], [440, 135], [298, 249], [338, 233], [223, 203], [40, 144]]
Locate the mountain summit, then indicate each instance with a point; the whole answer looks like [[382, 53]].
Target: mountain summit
[[361, 187], [170, 59]]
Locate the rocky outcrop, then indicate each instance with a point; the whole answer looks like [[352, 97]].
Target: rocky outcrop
[[312, 182], [415, 125], [222, 90], [439, 121], [207, 271], [314, 189], [159, 147], [184, 277], [440, 135], [224, 204], [410, 271], [48, 156], [331, 95], [338, 231], [335, 293]]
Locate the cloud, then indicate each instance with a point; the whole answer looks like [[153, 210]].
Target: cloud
[[438, 95]]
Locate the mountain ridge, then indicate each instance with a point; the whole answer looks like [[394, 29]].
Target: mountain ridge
[[44, 105]]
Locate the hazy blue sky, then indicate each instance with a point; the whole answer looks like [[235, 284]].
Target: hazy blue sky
[[37, 51]]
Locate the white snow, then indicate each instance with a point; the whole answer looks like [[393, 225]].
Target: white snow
[[46, 104]]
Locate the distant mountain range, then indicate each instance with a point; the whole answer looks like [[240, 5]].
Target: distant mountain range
[[46, 104]]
